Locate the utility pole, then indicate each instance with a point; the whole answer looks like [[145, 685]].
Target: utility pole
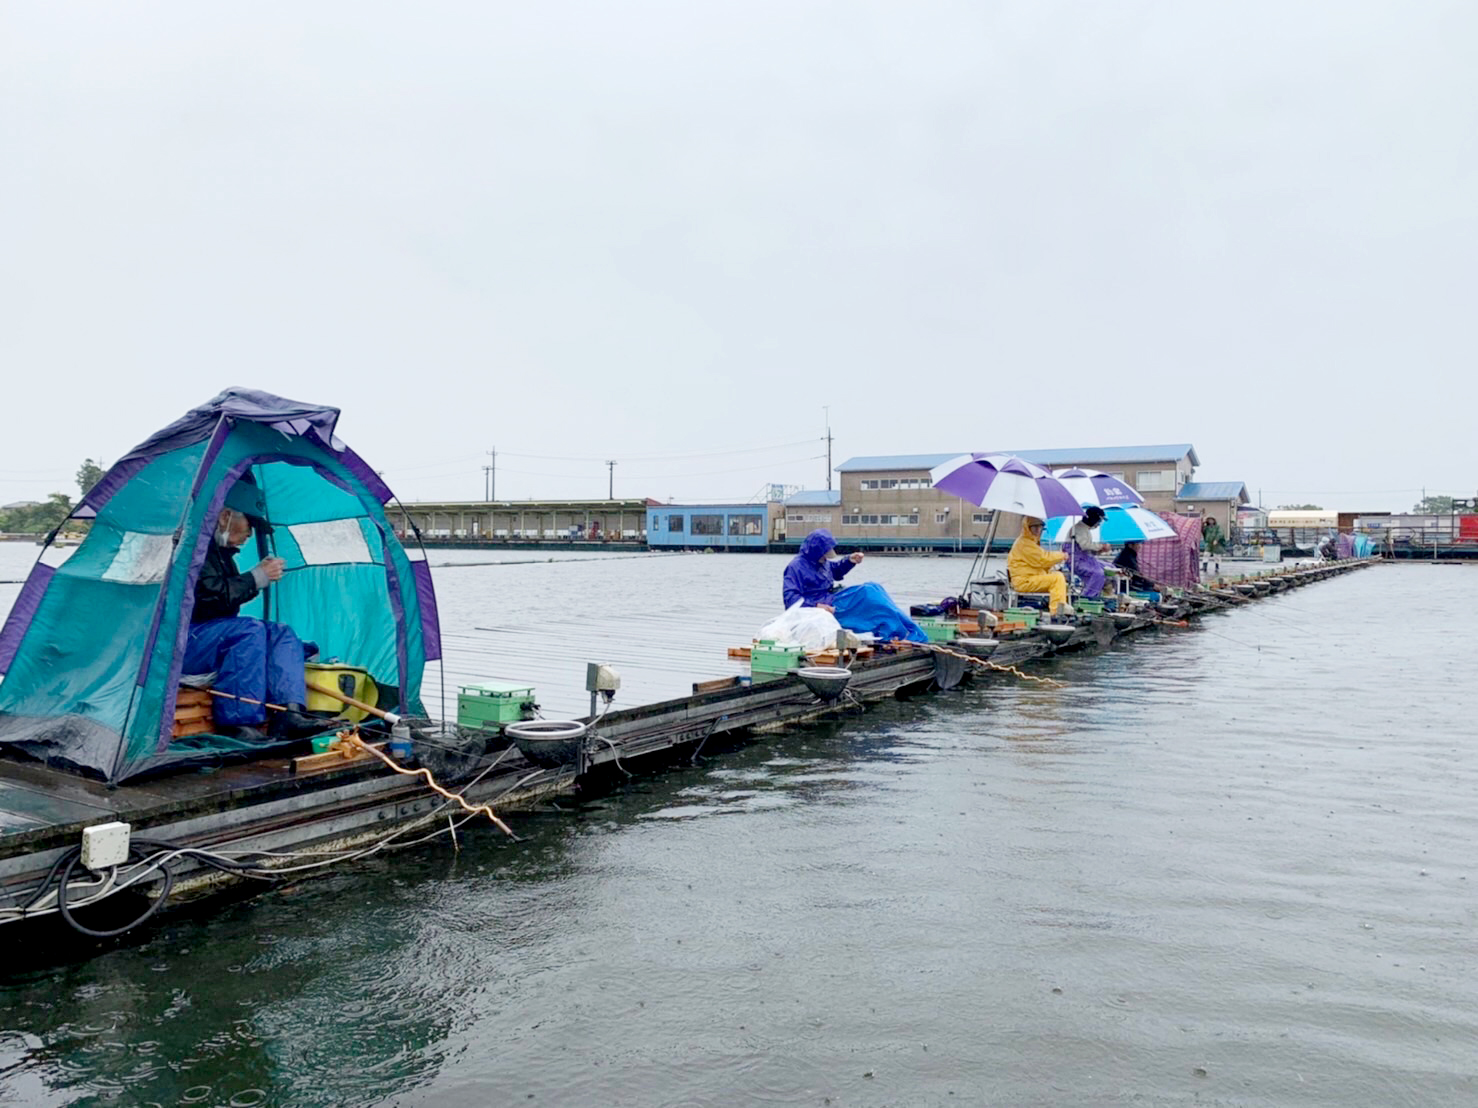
[[827, 409], [490, 476], [611, 492]]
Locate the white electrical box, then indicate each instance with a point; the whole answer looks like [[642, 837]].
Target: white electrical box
[[599, 678], [105, 845]]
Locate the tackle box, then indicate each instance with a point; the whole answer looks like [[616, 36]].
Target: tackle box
[[938, 630], [769, 659], [490, 704]]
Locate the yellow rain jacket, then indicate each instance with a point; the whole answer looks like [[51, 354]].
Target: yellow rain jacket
[[1030, 569]]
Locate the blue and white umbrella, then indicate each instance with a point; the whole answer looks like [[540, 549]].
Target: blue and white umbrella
[[1131, 524], [1092, 486]]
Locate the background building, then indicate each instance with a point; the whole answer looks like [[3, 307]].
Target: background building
[[1218, 499], [711, 526], [522, 520], [889, 499]]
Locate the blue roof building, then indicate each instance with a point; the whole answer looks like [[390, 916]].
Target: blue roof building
[[1092, 457], [890, 499]]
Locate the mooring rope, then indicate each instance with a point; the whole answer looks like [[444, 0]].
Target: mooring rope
[[937, 649], [352, 739]]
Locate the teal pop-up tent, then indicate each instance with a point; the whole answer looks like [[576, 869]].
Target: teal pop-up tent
[[91, 651]]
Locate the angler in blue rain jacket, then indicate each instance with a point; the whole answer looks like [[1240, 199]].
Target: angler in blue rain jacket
[[810, 578], [810, 581]]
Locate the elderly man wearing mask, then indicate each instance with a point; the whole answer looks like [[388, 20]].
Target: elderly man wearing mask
[[253, 659]]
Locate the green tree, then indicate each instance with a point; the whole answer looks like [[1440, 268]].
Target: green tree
[[89, 473], [1299, 508], [1433, 506], [37, 519]]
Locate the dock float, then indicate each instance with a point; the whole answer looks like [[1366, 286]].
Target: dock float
[[194, 833]]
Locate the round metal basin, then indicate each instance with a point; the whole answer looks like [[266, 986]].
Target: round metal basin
[[826, 682], [548, 742]]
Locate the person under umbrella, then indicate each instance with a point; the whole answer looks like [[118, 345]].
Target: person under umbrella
[[1084, 546], [1128, 561], [1031, 568]]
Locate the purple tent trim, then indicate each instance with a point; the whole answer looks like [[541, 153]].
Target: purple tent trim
[[253, 405], [430, 618], [23, 611]]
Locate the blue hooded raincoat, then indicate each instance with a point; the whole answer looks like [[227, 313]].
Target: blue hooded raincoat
[[808, 580]]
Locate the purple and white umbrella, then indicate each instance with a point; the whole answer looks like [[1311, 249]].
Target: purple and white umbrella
[[1007, 484], [1091, 486]]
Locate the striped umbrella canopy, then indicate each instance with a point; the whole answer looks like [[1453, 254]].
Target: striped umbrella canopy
[[1125, 524], [1092, 486], [1006, 483]]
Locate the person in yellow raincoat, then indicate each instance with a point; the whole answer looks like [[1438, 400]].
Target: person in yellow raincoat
[[1030, 567]]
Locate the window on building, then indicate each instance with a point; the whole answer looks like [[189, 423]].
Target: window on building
[[981, 517], [941, 517], [707, 525], [808, 517], [675, 523], [1155, 480], [746, 525]]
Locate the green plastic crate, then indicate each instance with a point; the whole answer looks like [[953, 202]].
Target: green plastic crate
[[938, 630], [491, 704], [769, 659], [1028, 616], [1089, 607]]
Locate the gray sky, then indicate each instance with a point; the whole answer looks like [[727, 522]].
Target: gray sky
[[668, 233]]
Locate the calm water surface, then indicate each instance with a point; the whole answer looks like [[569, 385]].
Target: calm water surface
[[1225, 866]]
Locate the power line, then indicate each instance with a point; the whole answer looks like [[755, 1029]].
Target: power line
[[653, 457]]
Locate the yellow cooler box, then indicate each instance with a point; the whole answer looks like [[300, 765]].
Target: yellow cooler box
[[348, 680]]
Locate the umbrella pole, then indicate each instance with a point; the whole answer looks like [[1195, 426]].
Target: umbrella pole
[[983, 558]]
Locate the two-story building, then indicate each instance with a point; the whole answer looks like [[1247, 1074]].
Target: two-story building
[[890, 499]]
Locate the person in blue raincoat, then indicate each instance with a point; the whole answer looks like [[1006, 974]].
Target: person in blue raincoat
[[812, 578], [812, 575], [254, 659]]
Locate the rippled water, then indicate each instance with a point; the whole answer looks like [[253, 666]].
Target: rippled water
[[1226, 866]]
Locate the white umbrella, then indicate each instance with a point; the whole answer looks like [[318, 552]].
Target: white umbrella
[[1092, 486]]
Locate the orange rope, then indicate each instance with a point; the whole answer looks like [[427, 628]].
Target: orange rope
[[937, 649], [351, 738]]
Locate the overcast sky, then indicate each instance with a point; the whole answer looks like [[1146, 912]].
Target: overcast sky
[[670, 233]]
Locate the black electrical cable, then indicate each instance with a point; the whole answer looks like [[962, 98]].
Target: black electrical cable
[[73, 857]]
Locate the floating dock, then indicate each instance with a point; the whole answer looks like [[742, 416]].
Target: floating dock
[[279, 817]]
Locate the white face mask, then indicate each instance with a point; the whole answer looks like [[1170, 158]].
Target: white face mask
[[223, 536]]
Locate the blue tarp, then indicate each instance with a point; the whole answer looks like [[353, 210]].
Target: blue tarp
[[869, 608]]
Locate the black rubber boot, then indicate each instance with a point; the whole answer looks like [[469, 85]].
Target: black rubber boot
[[243, 734], [294, 722]]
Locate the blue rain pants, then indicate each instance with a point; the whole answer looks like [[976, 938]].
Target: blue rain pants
[[1090, 570], [252, 658], [869, 608]]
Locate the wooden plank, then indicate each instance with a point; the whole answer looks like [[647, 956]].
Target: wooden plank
[[333, 759], [701, 687]]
